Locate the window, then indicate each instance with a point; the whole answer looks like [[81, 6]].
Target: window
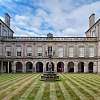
[[4, 32], [8, 51], [91, 52], [29, 51], [94, 33], [39, 51], [71, 51], [81, 52], [60, 52], [50, 51], [18, 51]]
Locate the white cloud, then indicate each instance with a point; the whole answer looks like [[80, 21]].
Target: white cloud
[[61, 16]]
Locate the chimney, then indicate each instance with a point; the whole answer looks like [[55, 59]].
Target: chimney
[[91, 20], [7, 19]]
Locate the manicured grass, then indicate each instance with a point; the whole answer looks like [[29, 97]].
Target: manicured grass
[[30, 87]]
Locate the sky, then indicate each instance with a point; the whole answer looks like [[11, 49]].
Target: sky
[[39, 17]]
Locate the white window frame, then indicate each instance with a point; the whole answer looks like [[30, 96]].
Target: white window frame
[[60, 52], [29, 51], [91, 51], [18, 50], [8, 50], [39, 51], [71, 51], [81, 51]]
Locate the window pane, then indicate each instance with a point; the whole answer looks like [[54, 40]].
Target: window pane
[[91, 52], [29, 51], [81, 52], [8, 51], [71, 51], [18, 51], [39, 51], [60, 52]]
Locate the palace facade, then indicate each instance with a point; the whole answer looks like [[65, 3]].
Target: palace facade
[[69, 54]]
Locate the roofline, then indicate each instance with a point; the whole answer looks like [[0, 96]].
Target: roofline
[[7, 26], [93, 25], [51, 37], [44, 37]]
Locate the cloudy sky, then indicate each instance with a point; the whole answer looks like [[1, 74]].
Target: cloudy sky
[[39, 17]]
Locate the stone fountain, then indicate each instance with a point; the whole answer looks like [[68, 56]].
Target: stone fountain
[[50, 75]]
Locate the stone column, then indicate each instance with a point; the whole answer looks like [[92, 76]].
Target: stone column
[[24, 67], [98, 66], [8, 66], [55, 67], [65, 67], [95, 67], [75, 67], [14, 67], [44, 67], [34, 67], [85, 67]]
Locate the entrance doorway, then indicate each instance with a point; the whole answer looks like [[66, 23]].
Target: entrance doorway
[[60, 67]]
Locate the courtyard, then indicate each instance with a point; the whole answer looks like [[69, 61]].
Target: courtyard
[[29, 87]]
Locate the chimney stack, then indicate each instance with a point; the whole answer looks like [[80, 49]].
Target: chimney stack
[[91, 20], [7, 19]]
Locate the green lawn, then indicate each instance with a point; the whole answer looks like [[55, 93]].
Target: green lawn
[[29, 87]]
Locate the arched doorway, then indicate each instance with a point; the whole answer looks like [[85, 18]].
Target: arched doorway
[[60, 67], [5, 67], [90, 67], [70, 67], [19, 67], [48, 64], [29, 67], [39, 67], [81, 67]]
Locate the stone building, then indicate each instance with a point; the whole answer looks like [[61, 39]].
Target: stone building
[[69, 54]]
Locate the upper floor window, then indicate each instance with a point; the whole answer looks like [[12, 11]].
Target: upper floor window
[[18, 51], [94, 33], [39, 51], [91, 52], [81, 52], [29, 51], [49, 50], [4, 32], [8, 51], [71, 52], [60, 52]]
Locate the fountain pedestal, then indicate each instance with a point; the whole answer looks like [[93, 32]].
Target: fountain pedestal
[[49, 75]]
